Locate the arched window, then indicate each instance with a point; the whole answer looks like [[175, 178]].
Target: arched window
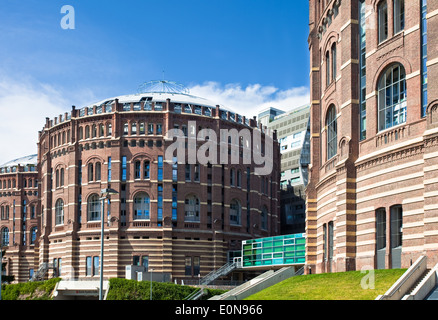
[[109, 129], [133, 128], [101, 130], [87, 132], [5, 237], [392, 97], [125, 129], [141, 206], [332, 132], [61, 177], [264, 218], [59, 212], [93, 208], [235, 212], [239, 178], [81, 133], [137, 170], [192, 209], [90, 172], [232, 177], [33, 234], [327, 68], [98, 171], [333, 61], [94, 131]]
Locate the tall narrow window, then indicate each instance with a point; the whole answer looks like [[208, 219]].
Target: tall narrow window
[[61, 177], [125, 129], [109, 169], [88, 266], [362, 63], [160, 168], [334, 62], [90, 172], [330, 240], [124, 168], [93, 208], [109, 129], [137, 169], [142, 128], [59, 212], [332, 132], [95, 266], [235, 212], [98, 171], [160, 202], [188, 266], [327, 68], [424, 99], [399, 15], [5, 237], [392, 97], [133, 128], [383, 21], [147, 170], [380, 229]]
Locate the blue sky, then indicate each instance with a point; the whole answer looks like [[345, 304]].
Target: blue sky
[[246, 54]]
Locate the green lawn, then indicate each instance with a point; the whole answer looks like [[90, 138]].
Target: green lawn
[[331, 286]]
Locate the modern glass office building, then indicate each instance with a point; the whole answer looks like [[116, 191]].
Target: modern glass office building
[[274, 251]]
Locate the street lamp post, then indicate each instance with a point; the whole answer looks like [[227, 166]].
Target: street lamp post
[[104, 195]]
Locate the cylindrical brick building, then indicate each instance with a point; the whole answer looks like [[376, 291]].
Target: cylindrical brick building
[[181, 219]]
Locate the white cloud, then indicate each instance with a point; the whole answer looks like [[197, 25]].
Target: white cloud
[[24, 107], [252, 99]]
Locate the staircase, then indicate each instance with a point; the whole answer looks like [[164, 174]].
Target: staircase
[[41, 272], [222, 271], [215, 274]]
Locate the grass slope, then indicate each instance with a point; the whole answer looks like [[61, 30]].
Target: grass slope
[[331, 286]]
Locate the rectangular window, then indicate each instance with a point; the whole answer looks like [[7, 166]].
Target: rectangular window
[[188, 266], [196, 178], [380, 229], [188, 172], [383, 21], [95, 266], [109, 169], [196, 265], [396, 226], [88, 267], [147, 170], [399, 16], [137, 169], [160, 203], [160, 168], [136, 260], [424, 56], [150, 128], [362, 65], [124, 168], [159, 129]]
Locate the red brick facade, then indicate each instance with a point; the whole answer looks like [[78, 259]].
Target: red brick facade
[[387, 165], [182, 246]]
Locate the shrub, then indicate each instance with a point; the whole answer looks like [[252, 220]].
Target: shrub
[[40, 290], [123, 289]]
